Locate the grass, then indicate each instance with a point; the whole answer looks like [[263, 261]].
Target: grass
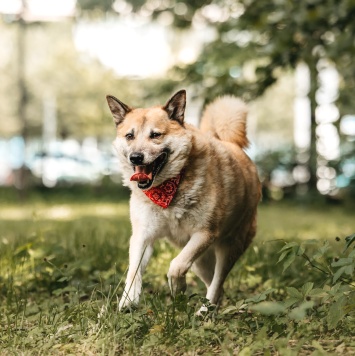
[[63, 261]]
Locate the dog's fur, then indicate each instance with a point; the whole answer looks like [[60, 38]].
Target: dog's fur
[[213, 214]]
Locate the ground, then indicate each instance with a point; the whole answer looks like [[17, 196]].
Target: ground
[[63, 262]]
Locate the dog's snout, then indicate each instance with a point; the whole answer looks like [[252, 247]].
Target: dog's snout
[[136, 158]]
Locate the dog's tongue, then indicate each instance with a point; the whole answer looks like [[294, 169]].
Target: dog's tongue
[[141, 174], [140, 177]]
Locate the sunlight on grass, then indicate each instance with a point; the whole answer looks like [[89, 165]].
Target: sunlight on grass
[[286, 221], [65, 212], [279, 221]]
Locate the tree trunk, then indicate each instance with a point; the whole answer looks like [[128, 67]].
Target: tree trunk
[[22, 101], [313, 154]]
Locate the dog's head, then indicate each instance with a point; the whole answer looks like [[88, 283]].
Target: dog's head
[[153, 144]]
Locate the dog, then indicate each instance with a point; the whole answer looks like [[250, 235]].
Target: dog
[[196, 187]]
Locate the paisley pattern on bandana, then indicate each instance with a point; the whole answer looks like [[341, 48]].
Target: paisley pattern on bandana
[[164, 193]]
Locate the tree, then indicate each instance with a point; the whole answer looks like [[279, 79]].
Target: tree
[[280, 34], [258, 39]]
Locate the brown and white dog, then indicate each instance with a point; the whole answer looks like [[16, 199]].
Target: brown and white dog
[[197, 187]]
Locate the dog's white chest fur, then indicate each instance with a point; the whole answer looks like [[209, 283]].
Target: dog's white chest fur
[[178, 226], [173, 223]]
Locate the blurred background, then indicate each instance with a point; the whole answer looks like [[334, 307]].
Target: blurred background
[[291, 61]]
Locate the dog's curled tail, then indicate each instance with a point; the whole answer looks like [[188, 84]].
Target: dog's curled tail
[[225, 118]]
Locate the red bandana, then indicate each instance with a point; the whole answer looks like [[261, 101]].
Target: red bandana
[[164, 193]]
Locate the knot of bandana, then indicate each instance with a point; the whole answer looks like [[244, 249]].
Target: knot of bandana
[[164, 193]]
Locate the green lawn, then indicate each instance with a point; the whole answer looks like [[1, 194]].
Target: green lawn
[[62, 267]]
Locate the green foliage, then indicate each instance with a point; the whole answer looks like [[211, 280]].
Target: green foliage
[[269, 35], [62, 268], [316, 307], [338, 290], [94, 5]]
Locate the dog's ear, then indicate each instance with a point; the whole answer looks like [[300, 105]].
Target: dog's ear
[[175, 107], [118, 109]]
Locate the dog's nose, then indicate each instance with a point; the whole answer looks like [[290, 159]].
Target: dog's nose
[[136, 158]]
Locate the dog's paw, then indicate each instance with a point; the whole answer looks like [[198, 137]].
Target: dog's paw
[[202, 312], [127, 305], [207, 310], [177, 285], [131, 294], [129, 308], [177, 277]]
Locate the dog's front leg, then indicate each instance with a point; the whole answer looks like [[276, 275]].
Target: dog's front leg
[[179, 266], [140, 252]]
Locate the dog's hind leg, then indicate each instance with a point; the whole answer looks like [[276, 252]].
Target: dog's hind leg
[[204, 265], [227, 254], [225, 260]]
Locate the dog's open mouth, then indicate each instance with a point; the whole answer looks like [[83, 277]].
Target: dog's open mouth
[[145, 174]]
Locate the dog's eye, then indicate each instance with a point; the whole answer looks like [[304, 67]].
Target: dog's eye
[[129, 136], [155, 134]]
